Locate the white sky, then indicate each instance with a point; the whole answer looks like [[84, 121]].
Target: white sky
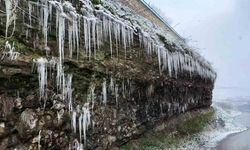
[[221, 30]]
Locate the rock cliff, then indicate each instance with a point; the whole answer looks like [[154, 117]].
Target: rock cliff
[[91, 75]]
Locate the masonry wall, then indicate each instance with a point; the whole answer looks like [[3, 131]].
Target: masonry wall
[[144, 11]]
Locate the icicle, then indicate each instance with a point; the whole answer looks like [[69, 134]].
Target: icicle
[[30, 11], [116, 94], [159, 58], [10, 7], [45, 23], [61, 38], [85, 122], [10, 52], [94, 35], [67, 91], [39, 140], [92, 96], [104, 92], [111, 86], [60, 72], [80, 126], [73, 120], [42, 77], [59, 115], [110, 37]]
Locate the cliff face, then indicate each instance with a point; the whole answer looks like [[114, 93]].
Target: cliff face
[[94, 76]]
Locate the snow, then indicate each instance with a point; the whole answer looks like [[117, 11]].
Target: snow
[[209, 138]]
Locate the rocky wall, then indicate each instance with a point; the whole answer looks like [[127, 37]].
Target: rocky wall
[[125, 94]]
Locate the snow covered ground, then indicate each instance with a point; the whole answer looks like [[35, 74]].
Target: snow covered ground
[[226, 124]]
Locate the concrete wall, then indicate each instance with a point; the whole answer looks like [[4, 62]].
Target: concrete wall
[[142, 9]]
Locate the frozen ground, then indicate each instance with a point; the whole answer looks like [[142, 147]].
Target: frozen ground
[[224, 125]]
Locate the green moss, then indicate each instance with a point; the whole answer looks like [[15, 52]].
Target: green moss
[[166, 139], [162, 38], [110, 9], [100, 55], [96, 2], [195, 125], [19, 46]]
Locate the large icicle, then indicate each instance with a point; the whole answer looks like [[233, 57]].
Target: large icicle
[[73, 121], [10, 7], [67, 91], [42, 77], [85, 121], [45, 23], [104, 92], [61, 39]]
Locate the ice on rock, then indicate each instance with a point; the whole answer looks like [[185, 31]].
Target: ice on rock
[[67, 91], [10, 52], [73, 32], [116, 93], [39, 140], [60, 115], [42, 77], [104, 92], [85, 121], [73, 121], [91, 95], [116, 29]]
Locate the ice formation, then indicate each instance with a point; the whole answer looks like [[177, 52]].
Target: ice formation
[[85, 33], [67, 91], [39, 140], [92, 95], [106, 27], [116, 93], [83, 121], [104, 92], [28, 118], [42, 77], [10, 52], [73, 118], [11, 6]]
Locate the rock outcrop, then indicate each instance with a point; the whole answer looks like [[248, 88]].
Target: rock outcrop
[[85, 74]]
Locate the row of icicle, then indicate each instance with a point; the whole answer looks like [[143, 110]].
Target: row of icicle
[[93, 31]]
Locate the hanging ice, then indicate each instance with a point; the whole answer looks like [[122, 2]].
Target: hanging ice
[[73, 120], [10, 52], [67, 91], [116, 93], [39, 140], [42, 77], [104, 92], [10, 7], [85, 121]]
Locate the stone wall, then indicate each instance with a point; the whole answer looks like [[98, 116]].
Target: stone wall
[[140, 8]]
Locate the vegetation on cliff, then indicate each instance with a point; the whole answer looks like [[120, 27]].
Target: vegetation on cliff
[[171, 137]]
